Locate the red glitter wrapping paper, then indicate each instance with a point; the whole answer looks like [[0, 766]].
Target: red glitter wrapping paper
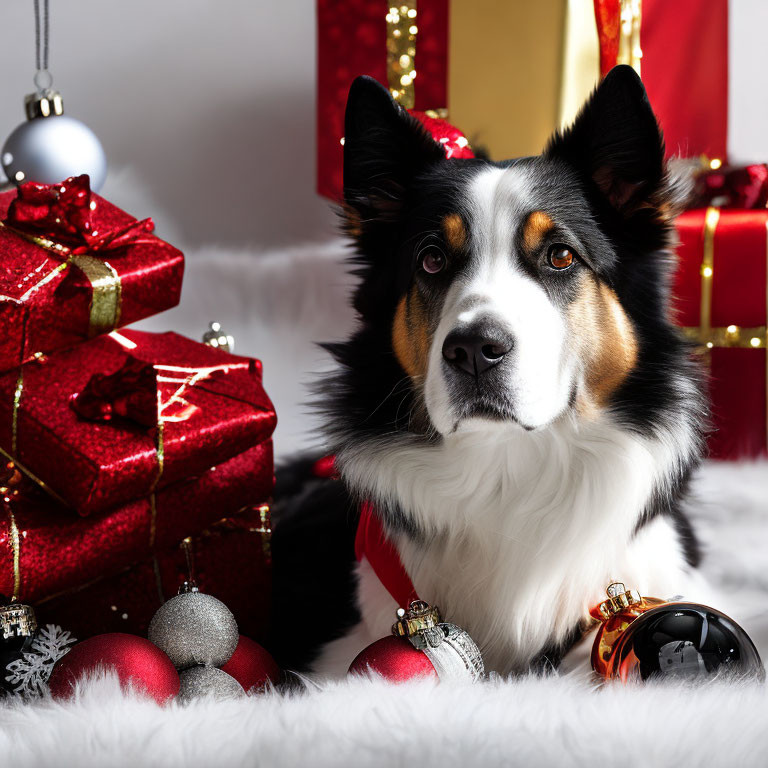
[[49, 552], [112, 270], [352, 41], [230, 560], [720, 299], [169, 407]]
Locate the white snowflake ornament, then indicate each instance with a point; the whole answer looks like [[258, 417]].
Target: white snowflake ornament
[[29, 674]]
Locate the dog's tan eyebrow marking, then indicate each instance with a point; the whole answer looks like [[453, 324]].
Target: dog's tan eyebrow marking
[[454, 230], [535, 229]]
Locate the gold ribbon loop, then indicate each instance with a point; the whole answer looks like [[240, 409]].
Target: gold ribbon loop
[[106, 293]]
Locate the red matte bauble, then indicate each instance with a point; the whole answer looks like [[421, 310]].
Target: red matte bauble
[[138, 663], [395, 659], [251, 665]]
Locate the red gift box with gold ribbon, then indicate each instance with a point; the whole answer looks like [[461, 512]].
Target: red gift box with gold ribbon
[[125, 414], [720, 298], [73, 266], [50, 552], [229, 560], [482, 63]]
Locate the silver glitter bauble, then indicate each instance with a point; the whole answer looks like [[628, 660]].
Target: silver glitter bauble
[[51, 146], [193, 628], [208, 681]]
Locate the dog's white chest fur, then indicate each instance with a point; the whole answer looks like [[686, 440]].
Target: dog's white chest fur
[[524, 530]]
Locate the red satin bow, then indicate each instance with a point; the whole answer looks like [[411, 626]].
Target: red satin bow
[[743, 186], [64, 213], [130, 393]]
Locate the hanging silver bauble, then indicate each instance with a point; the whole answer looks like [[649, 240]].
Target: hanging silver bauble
[[193, 628], [51, 146], [208, 681]]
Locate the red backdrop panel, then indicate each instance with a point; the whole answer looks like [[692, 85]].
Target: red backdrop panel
[[685, 70]]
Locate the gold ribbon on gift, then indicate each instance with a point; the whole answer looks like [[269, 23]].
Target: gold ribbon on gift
[[15, 546], [106, 287], [17, 395], [705, 336], [160, 452], [106, 293], [401, 52], [486, 82]]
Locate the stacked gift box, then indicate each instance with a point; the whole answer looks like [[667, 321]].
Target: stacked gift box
[[133, 461], [444, 59]]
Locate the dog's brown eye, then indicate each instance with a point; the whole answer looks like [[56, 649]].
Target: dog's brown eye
[[560, 257], [432, 261]]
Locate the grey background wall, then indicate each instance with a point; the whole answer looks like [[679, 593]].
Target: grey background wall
[[210, 102]]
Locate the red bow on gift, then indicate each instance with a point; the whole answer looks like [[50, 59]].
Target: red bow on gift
[[64, 213], [130, 393], [743, 186]]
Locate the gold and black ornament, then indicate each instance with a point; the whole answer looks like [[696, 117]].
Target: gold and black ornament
[[641, 638]]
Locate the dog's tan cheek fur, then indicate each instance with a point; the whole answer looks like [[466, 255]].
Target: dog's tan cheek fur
[[606, 339], [411, 335]]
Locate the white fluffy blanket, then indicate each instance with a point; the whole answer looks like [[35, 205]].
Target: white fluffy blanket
[[274, 305]]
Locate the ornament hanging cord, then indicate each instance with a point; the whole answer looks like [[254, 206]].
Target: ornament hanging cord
[[43, 78]]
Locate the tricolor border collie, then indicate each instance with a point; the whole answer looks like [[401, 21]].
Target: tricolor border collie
[[516, 402]]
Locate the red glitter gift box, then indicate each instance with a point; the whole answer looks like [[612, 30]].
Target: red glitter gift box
[[720, 297], [230, 560], [122, 415], [50, 552], [73, 266], [463, 60]]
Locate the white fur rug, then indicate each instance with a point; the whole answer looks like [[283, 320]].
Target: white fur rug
[[529, 722], [275, 304]]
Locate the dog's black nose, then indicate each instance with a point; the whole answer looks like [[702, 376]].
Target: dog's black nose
[[476, 348]]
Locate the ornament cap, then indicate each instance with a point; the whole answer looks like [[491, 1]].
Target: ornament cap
[[17, 620], [217, 337], [619, 599], [46, 103], [418, 619], [188, 586]]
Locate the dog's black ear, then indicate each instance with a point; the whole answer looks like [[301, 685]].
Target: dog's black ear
[[384, 148], [616, 142]]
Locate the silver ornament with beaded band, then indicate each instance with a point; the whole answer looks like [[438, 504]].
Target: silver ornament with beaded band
[[422, 644]]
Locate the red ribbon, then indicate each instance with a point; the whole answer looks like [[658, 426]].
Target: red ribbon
[[130, 393], [371, 543], [732, 187], [63, 213]]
